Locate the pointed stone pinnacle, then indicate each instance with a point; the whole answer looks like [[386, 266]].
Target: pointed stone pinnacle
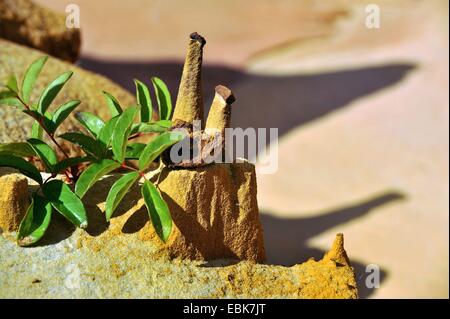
[[219, 117], [189, 105], [337, 252]]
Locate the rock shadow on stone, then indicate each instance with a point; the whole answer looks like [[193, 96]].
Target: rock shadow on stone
[[136, 221], [97, 221], [58, 230], [219, 263]]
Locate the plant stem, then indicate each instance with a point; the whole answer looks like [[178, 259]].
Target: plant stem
[[123, 165], [56, 143], [135, 136], [139, 134], [161, 164], [142, 174]]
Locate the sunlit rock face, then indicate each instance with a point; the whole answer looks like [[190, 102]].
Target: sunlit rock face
[[14, 201], [122, 265]]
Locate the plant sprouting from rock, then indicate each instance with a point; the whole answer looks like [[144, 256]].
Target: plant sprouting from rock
[[108, 146]]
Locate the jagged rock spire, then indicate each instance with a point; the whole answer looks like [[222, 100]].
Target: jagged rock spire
[[337, 252], [189, 105], [206, 143], [219, 117]]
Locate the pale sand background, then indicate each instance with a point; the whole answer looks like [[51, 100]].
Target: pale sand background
[[362, 114]]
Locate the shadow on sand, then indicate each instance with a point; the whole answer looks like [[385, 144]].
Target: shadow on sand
[[263, 101], [286, 239]]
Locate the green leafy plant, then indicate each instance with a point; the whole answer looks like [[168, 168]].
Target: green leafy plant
[[107, 146]]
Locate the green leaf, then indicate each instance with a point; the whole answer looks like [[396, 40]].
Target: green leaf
[[71, 161], [90, 122], [118, 191], [87, 143], [163, 98], [105, 134], [157, 146], [10, 98], [30, 77], [157, 209], [45, 153], [44, 120], [11, 84], [37, 131], [52, 90], [66, 202], [134, 150], [11, 101], [144, 101], [7, 93], [62, 113], [154, 127], [92, 174], [113, 105], [19, 149], [121, 133], [35, 222], [35, 114], [22, 165]]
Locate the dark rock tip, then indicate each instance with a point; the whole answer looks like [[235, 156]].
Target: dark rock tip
[[197, 37], [226, 94]]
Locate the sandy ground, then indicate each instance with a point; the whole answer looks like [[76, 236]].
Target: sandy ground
[[362, 116]]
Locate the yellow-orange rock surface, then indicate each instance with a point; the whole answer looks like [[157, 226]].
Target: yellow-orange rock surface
[[14, 201]]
